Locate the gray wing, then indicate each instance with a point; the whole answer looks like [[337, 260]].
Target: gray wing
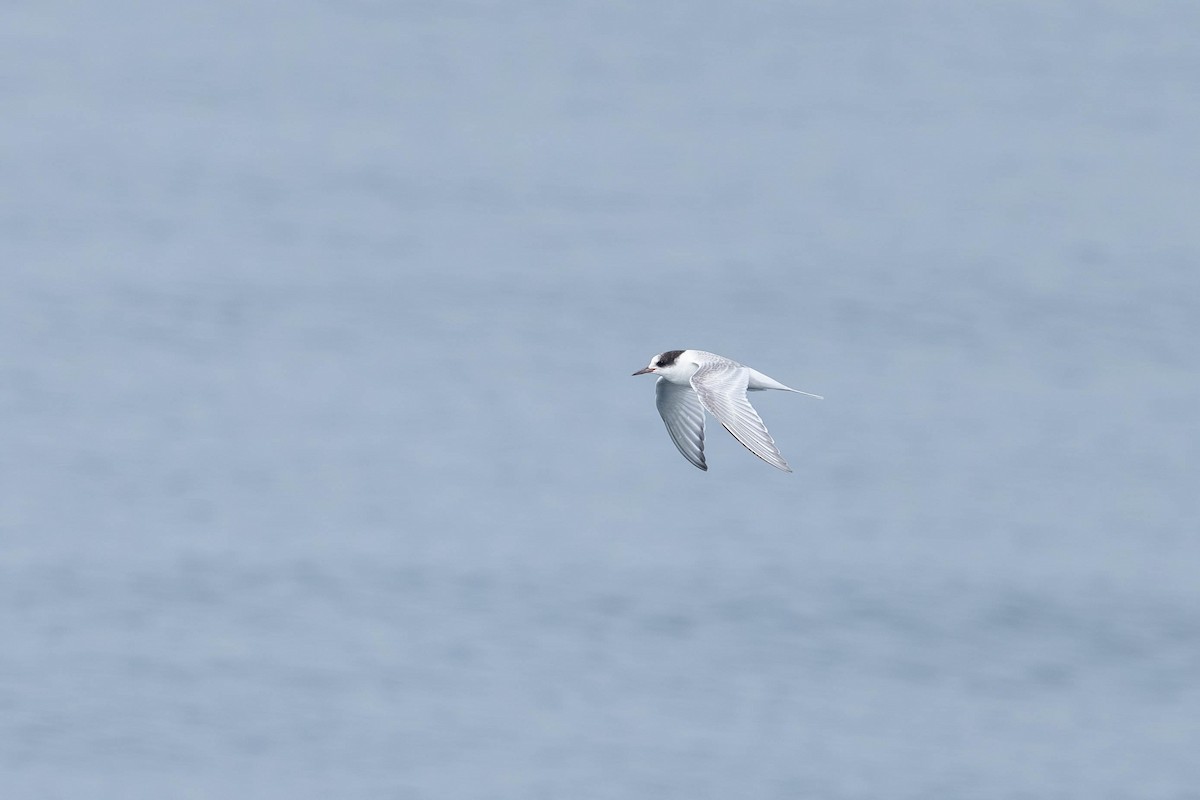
[[680, 408], [721, 388]]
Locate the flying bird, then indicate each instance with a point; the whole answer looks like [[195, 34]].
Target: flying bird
[[691, 382]]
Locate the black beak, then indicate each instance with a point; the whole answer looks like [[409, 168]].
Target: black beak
[[644, 370]]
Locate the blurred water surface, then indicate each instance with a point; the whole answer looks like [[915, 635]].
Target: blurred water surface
[[323, 476]]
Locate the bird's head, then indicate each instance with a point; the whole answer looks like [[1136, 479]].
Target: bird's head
[[665, 364]]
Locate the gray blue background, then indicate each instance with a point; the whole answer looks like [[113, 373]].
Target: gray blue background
[[322, 473]]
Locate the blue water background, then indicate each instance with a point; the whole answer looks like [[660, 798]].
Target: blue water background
[[322, 473]]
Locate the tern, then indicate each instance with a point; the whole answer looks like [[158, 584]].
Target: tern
[[691, 382]]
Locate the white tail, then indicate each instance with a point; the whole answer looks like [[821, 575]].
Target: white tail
[[759, 382]]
